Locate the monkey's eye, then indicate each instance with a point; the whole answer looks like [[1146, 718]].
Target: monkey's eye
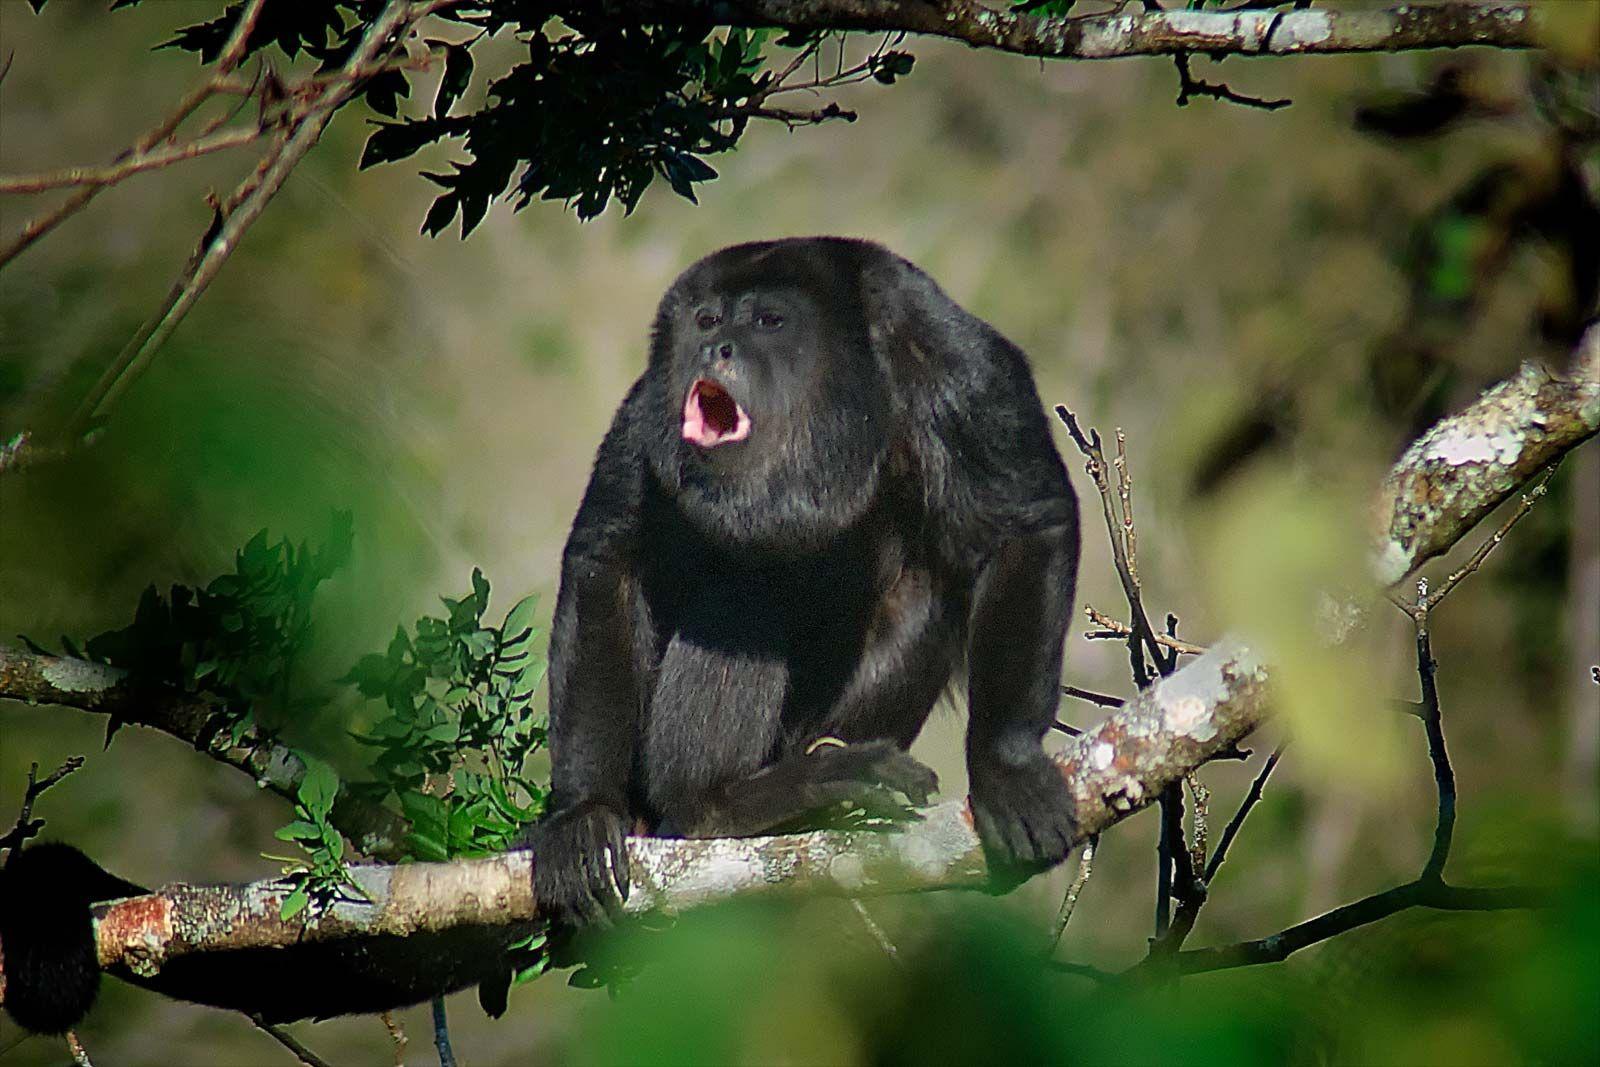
[[769, 320], [706, 319]]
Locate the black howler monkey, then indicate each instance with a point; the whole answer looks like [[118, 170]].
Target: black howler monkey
[[830, 489]]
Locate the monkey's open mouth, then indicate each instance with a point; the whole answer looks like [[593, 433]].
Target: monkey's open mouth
[[712, 417]]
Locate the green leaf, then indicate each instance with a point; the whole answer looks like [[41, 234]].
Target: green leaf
[[299, 830], [294, 904], [519, 621], [318, 788]]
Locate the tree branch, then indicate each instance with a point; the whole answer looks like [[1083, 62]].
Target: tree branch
[[191, 717], [1112, 35], [456, 918], [1467, 463]]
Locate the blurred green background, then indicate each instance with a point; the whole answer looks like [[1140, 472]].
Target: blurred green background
[[1198, 276]]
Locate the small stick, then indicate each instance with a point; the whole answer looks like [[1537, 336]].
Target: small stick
[[1113, 628], [1070, 901], [876, 931]]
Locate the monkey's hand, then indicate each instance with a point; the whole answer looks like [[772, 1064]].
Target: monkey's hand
[[580, 864], [1023, 812], [869, 776]]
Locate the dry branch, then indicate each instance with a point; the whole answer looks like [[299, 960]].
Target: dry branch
[[1119, 33]]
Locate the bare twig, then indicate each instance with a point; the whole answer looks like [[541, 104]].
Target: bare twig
[[1069, 903], [1102, 699], [441, 1035], [1130, 539], [136, 164], [1141, 633], [288, 1041], [304, 127], [26, 826], [1189, 86], [1110, 629], [397, 1035], [1475, 561], [1278, 947], [1199, 820], [232, 53], [878, 935], [1251, 798]]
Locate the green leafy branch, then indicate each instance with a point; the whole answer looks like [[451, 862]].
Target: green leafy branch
[[461, 725]]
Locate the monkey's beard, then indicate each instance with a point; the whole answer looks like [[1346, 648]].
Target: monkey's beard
[[781, 490]]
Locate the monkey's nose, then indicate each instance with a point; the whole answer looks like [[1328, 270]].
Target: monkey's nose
[[716, 350]]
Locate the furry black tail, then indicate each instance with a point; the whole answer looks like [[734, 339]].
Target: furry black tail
[[47, 943]]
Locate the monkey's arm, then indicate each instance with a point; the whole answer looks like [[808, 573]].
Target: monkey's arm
[[1022, 605], [580, 866]]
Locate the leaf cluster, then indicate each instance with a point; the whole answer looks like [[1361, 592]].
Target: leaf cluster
[[461, 725], [599, 109], [322, 879], [235, 639]]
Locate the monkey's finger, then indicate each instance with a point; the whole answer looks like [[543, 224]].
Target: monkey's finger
[[899, 771], [597, 876], [619, 860]]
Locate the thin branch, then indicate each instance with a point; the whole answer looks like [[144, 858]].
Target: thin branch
[[288, 1041], [306, 123], [1069, 903], [1141, 632], [131, 165], [397, 1035], [1444, 777], [26, 827], [441, 1035], [1102, 699], [75, 1049], [232, 52], [1280, 946], [1471, 566], [1110, 629], [1251, 799], [877, 932], [1189, 87], [1130, 537]]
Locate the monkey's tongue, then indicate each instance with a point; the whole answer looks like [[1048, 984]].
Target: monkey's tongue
[[712, 417]]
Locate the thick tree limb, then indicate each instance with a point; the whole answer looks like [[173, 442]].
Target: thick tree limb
[[1467, 463], [1254, 32], [94, 687], [456, 918]]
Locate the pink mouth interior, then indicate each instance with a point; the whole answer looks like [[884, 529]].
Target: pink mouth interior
[[712, 417]]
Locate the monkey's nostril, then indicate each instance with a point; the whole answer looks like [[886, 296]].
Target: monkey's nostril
[[725, 351]]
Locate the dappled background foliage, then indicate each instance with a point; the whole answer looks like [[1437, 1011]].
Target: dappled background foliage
[[1268, 303]]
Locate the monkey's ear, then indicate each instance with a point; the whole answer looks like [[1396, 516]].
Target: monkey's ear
[[47, 943]]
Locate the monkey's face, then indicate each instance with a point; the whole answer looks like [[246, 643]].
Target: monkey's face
[[742, 363], [766, 388]]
